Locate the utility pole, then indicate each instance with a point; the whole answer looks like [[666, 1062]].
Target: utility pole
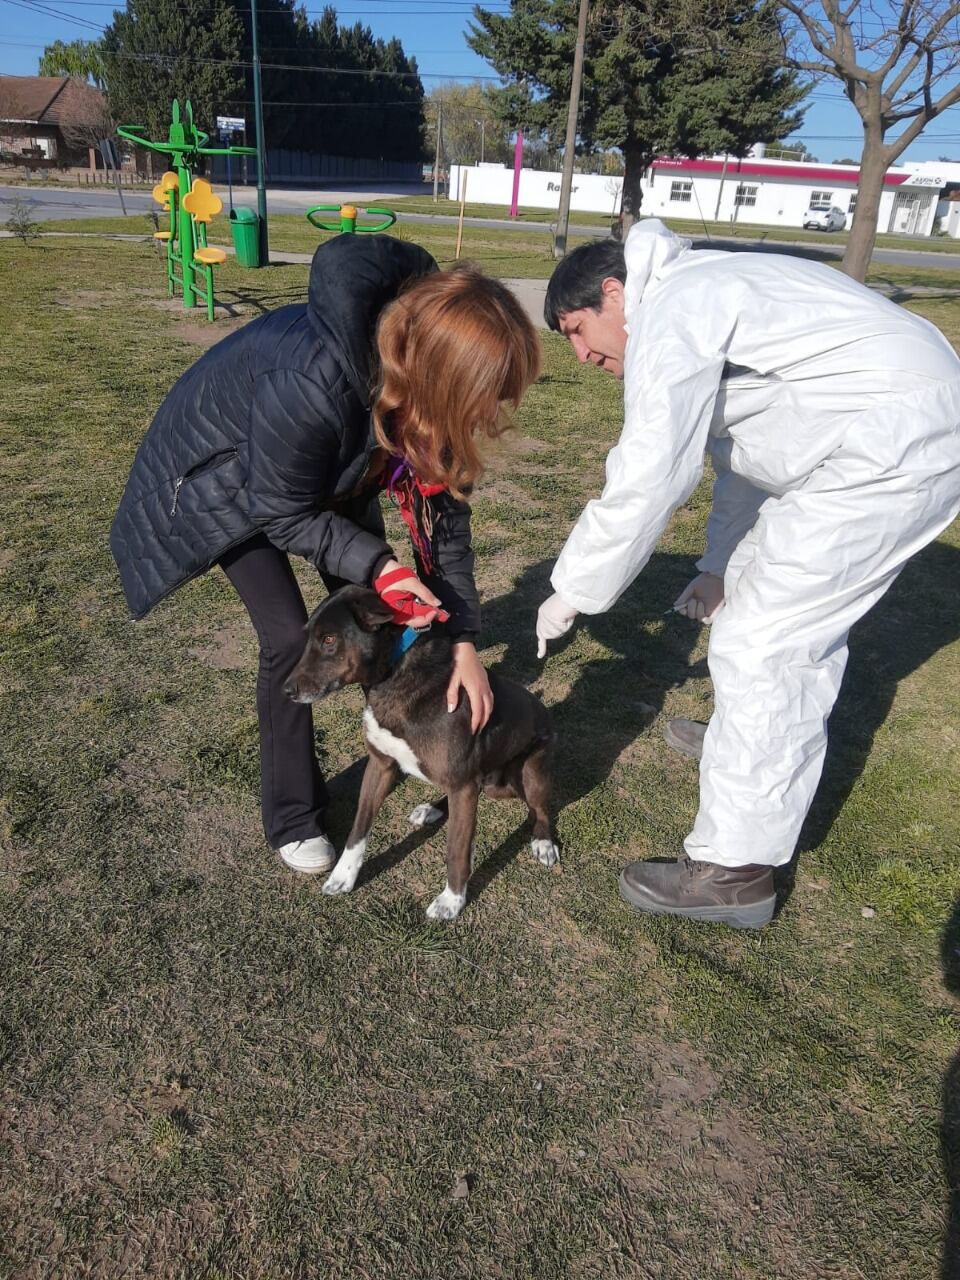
[[261, 145], [570, 146], [436, 156], [483, 125]]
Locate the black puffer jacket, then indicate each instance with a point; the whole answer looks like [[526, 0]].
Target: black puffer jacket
[[270, 431]]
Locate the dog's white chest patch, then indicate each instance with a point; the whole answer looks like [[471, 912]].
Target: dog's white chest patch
[[390, 745]]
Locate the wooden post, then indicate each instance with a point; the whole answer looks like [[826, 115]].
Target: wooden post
[[464, 174], [570, 146]]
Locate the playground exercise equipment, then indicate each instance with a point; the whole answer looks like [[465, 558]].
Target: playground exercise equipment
[[348, 218], [190, 203]]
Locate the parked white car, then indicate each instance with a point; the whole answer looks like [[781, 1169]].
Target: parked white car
[[833, 219]]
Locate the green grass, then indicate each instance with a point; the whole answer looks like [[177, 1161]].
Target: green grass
[[512, 254], [683, 226], [451, 208], [757, 231], [207, 1069], [502, 253]]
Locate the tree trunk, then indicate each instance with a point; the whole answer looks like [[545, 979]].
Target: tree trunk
[[636, 162], [863, 233]]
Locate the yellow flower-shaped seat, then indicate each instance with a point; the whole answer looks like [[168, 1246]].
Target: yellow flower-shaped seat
[[168, 183], [202, 202], [161, 235]]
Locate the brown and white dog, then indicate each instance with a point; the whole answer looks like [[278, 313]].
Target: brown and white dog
[[351, 639]]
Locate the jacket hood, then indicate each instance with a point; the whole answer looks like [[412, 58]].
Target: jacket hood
[[649, 249], [352, 278]]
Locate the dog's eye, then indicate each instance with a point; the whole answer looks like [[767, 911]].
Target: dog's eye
[[328, 642]]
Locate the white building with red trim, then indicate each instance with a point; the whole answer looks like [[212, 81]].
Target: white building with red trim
[[756, 190], [777, 193]]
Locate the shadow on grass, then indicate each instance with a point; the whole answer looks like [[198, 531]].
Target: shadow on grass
[[915, 619], [950, 1117], [252, 302], [612, 699], [904, 293], [792, 248]]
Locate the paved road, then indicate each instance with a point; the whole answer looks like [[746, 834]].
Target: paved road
[[72, 202], [102, 202]]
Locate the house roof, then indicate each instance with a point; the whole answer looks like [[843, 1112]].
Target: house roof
[[47, 99]]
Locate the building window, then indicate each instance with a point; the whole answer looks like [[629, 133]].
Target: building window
[[746, 196], [852, 207], [680, 192], [821, 199]]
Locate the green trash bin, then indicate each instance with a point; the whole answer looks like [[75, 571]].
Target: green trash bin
[[245, 228]]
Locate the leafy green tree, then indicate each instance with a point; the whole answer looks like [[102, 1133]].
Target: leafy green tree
[[333, 88], [82, 59], [158, 50], [686, 77], [326, 87]]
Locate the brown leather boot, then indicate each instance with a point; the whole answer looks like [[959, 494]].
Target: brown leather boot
[[742, 897], [685, 736]]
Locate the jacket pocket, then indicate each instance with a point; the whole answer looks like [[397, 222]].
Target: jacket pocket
[[194, 474]]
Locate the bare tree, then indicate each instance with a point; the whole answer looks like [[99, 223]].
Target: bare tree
[[84, 116], [892, 61]]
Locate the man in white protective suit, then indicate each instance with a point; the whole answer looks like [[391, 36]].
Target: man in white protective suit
[[832, 417]]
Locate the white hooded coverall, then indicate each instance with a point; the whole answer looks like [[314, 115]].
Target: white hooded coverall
[[833, 420]]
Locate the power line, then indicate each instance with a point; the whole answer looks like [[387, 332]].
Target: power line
[[54, 13], [173, 58], [444, 8], [454, 6]]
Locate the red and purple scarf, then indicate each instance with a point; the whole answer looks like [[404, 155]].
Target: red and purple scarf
[[412, 498]]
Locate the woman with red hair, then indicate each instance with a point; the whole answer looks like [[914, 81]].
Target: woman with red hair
[[280, 441]]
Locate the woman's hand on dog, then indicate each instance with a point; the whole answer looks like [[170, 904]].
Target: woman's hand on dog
[[423, 593], [470, 675]]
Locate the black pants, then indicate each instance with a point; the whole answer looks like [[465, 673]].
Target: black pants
[[293, 795]]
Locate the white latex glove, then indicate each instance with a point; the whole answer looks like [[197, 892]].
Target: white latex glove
[[701, 599], [554, 620]]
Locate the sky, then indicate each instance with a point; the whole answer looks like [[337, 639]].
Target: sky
[[434, 32]]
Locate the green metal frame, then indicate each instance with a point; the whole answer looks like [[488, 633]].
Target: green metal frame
[[184, 143], [348, 222]]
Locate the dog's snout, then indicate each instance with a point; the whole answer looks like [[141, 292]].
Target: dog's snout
[[290, 688]]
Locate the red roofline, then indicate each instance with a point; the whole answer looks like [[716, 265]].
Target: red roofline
[[754, 169]]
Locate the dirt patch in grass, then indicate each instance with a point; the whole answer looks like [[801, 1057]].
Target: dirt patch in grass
[[500, 489], [218, 840], [233, 648]]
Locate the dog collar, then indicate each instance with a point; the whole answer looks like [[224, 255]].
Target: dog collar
[[405, 640]]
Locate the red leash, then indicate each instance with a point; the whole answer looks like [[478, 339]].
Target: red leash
[[404, 604]]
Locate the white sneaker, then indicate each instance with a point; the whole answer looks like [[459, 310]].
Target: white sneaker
[[309, 856]]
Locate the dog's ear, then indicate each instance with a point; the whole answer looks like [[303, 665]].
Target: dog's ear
[[370, 611]]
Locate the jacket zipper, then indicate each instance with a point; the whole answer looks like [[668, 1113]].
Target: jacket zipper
[[176, 496]]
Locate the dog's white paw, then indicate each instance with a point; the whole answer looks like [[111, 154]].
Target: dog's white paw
[[344, 875], [336, 884], [424, 814], [446, 905], [545, 852]]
